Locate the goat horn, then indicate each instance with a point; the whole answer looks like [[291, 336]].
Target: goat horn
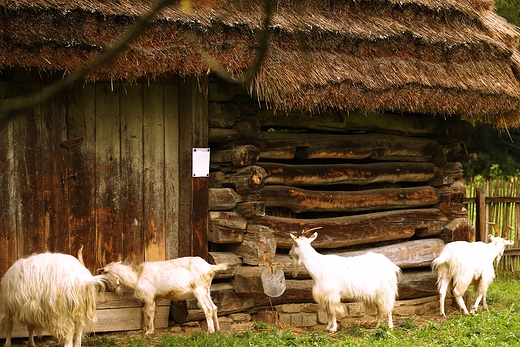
[[495, 225], [307, 231]]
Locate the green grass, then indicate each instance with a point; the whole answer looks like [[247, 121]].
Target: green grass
[[498, 327]]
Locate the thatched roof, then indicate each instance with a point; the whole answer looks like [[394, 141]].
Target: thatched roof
[[440, 57]]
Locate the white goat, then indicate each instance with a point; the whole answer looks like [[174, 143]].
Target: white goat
[[52, 292], [177, 279], [371, 278], [462, 263]]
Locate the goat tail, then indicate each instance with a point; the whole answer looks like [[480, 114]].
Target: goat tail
[[220, 267], [99, 281], [438, 262]]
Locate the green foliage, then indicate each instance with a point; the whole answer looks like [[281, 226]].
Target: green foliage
[[498, 327], [497, 153], [509, 9]]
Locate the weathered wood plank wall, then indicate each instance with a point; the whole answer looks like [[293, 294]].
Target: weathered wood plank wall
[[96, 166]]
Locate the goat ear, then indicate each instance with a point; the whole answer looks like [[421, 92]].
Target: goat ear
[[293, 237], [491, 237], [313, 236]]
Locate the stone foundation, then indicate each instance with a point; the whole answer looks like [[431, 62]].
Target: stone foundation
[[309, 316]]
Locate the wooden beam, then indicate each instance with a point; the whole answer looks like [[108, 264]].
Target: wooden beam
[[359, 229], [348, 121], [301, 200], [362, 174], [193, 199]]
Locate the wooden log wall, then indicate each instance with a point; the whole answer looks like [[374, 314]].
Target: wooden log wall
[[389, 183]]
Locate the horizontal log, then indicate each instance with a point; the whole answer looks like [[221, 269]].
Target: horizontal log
[[222, 235], [301, 200], [408, 254], [352, 121], [376, 146], [245, 180], [359, 229], [335, 151], [229, 258], [251, 209], [448, 175], [236, 156], [412, 285], [258, 246], [459, 229], [228, 219], [371, 146], [360, 174], [223, 198], [269, 280]]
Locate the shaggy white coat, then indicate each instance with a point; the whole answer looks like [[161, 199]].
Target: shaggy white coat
[[370, 278], [52, 292], [462, 263], [177, 279]]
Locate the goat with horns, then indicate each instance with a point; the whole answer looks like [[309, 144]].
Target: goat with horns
[[371, 278]]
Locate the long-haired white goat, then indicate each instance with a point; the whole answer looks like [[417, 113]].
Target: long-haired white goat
[[52, 292], [462, 263], [371, 278], [176, 279]]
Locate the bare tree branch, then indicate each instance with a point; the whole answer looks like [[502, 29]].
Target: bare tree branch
[[12, 107], [9, 108], [263, 45]]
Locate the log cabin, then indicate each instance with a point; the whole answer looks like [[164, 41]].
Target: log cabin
[[345, 115]]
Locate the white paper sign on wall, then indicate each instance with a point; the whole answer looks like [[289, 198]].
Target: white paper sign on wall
[[200, 162]]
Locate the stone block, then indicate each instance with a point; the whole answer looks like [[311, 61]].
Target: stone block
[[284, 319], [296, 319], [270, 317], [240, 317], [289, 308], [309, 319]]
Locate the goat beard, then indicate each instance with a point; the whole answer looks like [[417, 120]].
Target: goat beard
[[295, 263]]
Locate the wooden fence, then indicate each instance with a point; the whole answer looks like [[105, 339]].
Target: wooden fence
[[496, 201]]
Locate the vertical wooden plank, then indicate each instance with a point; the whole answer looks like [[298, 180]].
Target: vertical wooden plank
[[193, 198], [8, 237], [108, 174], [480, 202], [81, 160], [132, 172], [54, 158], [154, 207], [28, 177], [171, 172]]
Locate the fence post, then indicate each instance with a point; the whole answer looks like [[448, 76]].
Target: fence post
[[480, 211]]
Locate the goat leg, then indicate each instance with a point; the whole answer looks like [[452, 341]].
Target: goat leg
[[205, 303], [390, 321], [148, 317], [30, 340], [462, 305], [8, 330], [442, 291], [78, 336]]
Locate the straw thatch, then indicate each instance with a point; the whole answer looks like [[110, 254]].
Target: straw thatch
[[439, 57]]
